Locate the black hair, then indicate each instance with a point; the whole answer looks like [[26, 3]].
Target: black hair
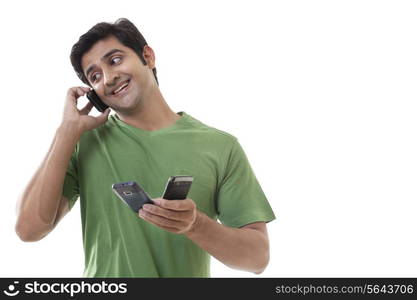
[[124, 30]]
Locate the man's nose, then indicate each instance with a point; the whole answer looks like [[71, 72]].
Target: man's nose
[[110, 78]]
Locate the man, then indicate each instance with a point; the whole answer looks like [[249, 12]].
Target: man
[[145, 141]]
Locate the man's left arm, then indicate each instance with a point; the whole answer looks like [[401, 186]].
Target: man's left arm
[[245, 248]]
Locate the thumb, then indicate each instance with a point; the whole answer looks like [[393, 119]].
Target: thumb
[[103, 117]]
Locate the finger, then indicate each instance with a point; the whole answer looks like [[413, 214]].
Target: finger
[[75, 92], [84, 88], [159, 221], [103, 117], [81, 91], [167, 213], [179, 205]]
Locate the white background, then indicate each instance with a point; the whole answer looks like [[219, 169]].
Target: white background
[[321, 94]]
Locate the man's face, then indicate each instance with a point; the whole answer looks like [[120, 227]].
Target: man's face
[[117, 74]]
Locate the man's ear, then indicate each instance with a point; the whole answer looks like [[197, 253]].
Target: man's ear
[[149, 56]]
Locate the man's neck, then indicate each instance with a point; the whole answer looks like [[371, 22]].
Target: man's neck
[[152, 114]]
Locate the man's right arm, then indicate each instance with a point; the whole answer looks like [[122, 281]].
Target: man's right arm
[[42, 205]]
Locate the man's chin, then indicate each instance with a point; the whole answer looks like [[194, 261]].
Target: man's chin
[[127, 109]]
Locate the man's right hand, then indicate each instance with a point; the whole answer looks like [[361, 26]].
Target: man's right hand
[[79, 118]]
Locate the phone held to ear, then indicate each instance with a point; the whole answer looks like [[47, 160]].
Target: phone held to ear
[[94, 98]]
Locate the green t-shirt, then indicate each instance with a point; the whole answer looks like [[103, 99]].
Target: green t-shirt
[[117, 242]]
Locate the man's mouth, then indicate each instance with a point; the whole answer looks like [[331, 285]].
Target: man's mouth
[[122, 88]]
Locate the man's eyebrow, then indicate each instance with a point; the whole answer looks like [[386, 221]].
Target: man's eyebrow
[[111, 52]]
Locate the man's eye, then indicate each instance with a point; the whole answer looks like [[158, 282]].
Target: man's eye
[[116, 60], [94, 77]]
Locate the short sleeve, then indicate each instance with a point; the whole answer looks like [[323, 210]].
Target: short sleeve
[[71, 185], [240, 199]]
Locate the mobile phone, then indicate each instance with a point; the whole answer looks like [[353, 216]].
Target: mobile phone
[[132, 194], [97, 102], [177, 187]]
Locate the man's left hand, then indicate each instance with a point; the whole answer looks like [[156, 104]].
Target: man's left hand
[[176, 216]]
